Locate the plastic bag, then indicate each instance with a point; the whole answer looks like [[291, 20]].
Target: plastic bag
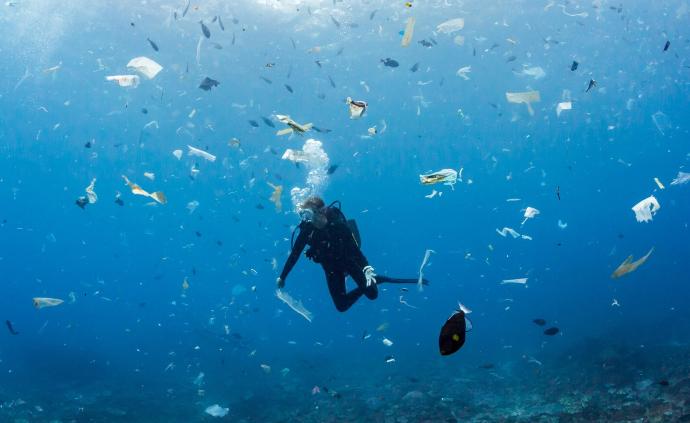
[[527, 97], [292, 126], [193, 151], [296, 305], [645, 209], [145, 66], [681, 179], [357, 107], [158, 196], [41, 302], [446, 176], [275, 196], [451, 26], [124, 80]]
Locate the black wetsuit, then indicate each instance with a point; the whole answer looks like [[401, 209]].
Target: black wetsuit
[[336, 248]]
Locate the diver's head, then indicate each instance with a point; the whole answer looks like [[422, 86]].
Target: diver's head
[[312, 210]]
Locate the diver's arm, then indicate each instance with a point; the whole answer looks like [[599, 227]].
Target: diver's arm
[[297, 249]]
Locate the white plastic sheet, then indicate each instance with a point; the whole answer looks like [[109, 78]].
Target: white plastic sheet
[[645, 209], [145, 66]]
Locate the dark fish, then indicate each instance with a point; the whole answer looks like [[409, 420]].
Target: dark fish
[[539, 322], [667, 45], [511, 59], [269, 64], [331, 81], [144, 110], [274, 152], [425, 43], [321, 96], [208, 83], [390, 62], [592, 84], [215, 18], [558, 192], [452, 336], [266, 80], [220, 24], [186, 9], [332, 169], [268, 122], [233, 39], [494, 105], [10, 328], [253, 123], [131, 24], [216, 46], [289, 88], [88, 144], [415, 67], [372, 14], [494, 46], [175, 15], [321, 130], [119, 201], [154, 46], [294, 45], [198, 234], [82, 202], [335, 22], [663, 382], [235, 21], [474, 51], [574, 66], [205, 30], [318, 63], [260, 206], [340, 51], [551, 331], [487, 366]]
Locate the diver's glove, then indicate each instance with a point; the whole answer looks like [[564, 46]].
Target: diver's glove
[[370, 275], [280, 283]]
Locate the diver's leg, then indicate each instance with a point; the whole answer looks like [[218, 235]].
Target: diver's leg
[[336, 286]]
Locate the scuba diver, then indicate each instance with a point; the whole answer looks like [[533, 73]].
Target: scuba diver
[[334, 243]]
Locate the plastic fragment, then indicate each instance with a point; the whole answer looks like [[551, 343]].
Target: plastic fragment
[[507, 231], [275, 196], [292, 126], [357, 107], [41, 302], [145, 66], [682, 179], [216, 410], [90, 194], [517, 281], [425, 261], [527, 97], [124, 80], [387, 342], [446, 176], [535, 72], [150, 175], [645, 209], [294, 304], [630, 266], [409, 32], [463, 71], [193, 151], [177, 154], [566, 105], [659, 184], [158, 196], [530, 213], [451, 26], [192, 205]]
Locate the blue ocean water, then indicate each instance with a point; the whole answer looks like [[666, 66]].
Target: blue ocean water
[[133, 341]]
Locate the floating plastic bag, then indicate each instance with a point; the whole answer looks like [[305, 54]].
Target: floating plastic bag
[[177, 154], [527, 97], [41, 302], [296, 305], [216, 410], [535, 72], [566, 105], [630, 266], [451, 26], [409, 31], [124, 80], [446, 176], [662, 122], [145, 66], [193, 151], [530, 213], [645, 209], [508, 231], [275, 196], [681, 179], [357, 108]]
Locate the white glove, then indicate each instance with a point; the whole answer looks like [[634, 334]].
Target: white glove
[[370, 275]]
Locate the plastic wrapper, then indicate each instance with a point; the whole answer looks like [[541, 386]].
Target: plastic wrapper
[[158, 196], [294, 304], [451, 26], [177, 154], [681, 179], [90, 193], [645, 209], [566, 105], [41, 302], [145, 66], [530, 213], [527, 97], [275, 196], [193, 151], [409, 32], [508, 231], [630, 266], [659, 184], [445, 176], [357, 108], [124, 80], [216, 410]]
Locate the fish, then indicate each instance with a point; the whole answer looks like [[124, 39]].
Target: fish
[[220, 24], [592, 84], [266, 80], [511, 59], [318, 63], [215, 18], [663, 383], [268, 122], [330, 80], [551, 331], [415, 67], [667, 45], [289, 88], [216, 46], [558, 192], [208, 83], [425, 43], [81, 202], [487, 366], [340, 51], [253, 123], [372, 14], [452, 336], [10, 328], [205, 30], [233, 39], [539, 322], [391, 63], [335, 22], [294, 45], [154, 46], [321, 130], [331, 169], [186, 9], [574, 66]]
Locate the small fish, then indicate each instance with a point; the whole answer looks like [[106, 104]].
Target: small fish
[[269, 65], [220, 24], [233, 39], [266, 80], [205, 30], [10, 328], [511, 59], [331, 169], [415, 67], [592, 84], [452, 336], [294, 45], [318, 63], [216, 46], [154, 46], [574, 66], [340, 51], [321, 130], [487, 366], [88, 144], [289, 88], [268, 122], [558, 192], [663, 383], [215, 18], [118, 200], [667, 45], [208, 83], [551, 331], [144, 110], [81, 202], [425, 43], [330, 80], [539, 322], [253, 123], [391, 63], [260, 206], [335, 22], [372, 14]]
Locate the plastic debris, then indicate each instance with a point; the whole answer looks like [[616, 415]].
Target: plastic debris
[[294, 304], [150, 175], [41, 302], [508, 231], [451, 26], [208, 83], [662, 122], [266, 368], [124, 80], [659, 184], [409, 32], [387, 342], [192, 205], [463, 71], [566, 105], [645, 209], [425, 261], [535, 72], [530, 213], [275, 196], [158, 196], [145, 66], [292, 126], [193, 151], [90, 193], [630, 266], [682, 179], [216, 410], [357, 107], [527, 97], [446, 176], [517, 281], [177, 154]]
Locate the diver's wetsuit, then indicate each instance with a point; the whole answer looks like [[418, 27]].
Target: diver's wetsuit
[[336, 248]]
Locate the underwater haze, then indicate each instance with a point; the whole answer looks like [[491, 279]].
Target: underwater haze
[[531, 159]]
